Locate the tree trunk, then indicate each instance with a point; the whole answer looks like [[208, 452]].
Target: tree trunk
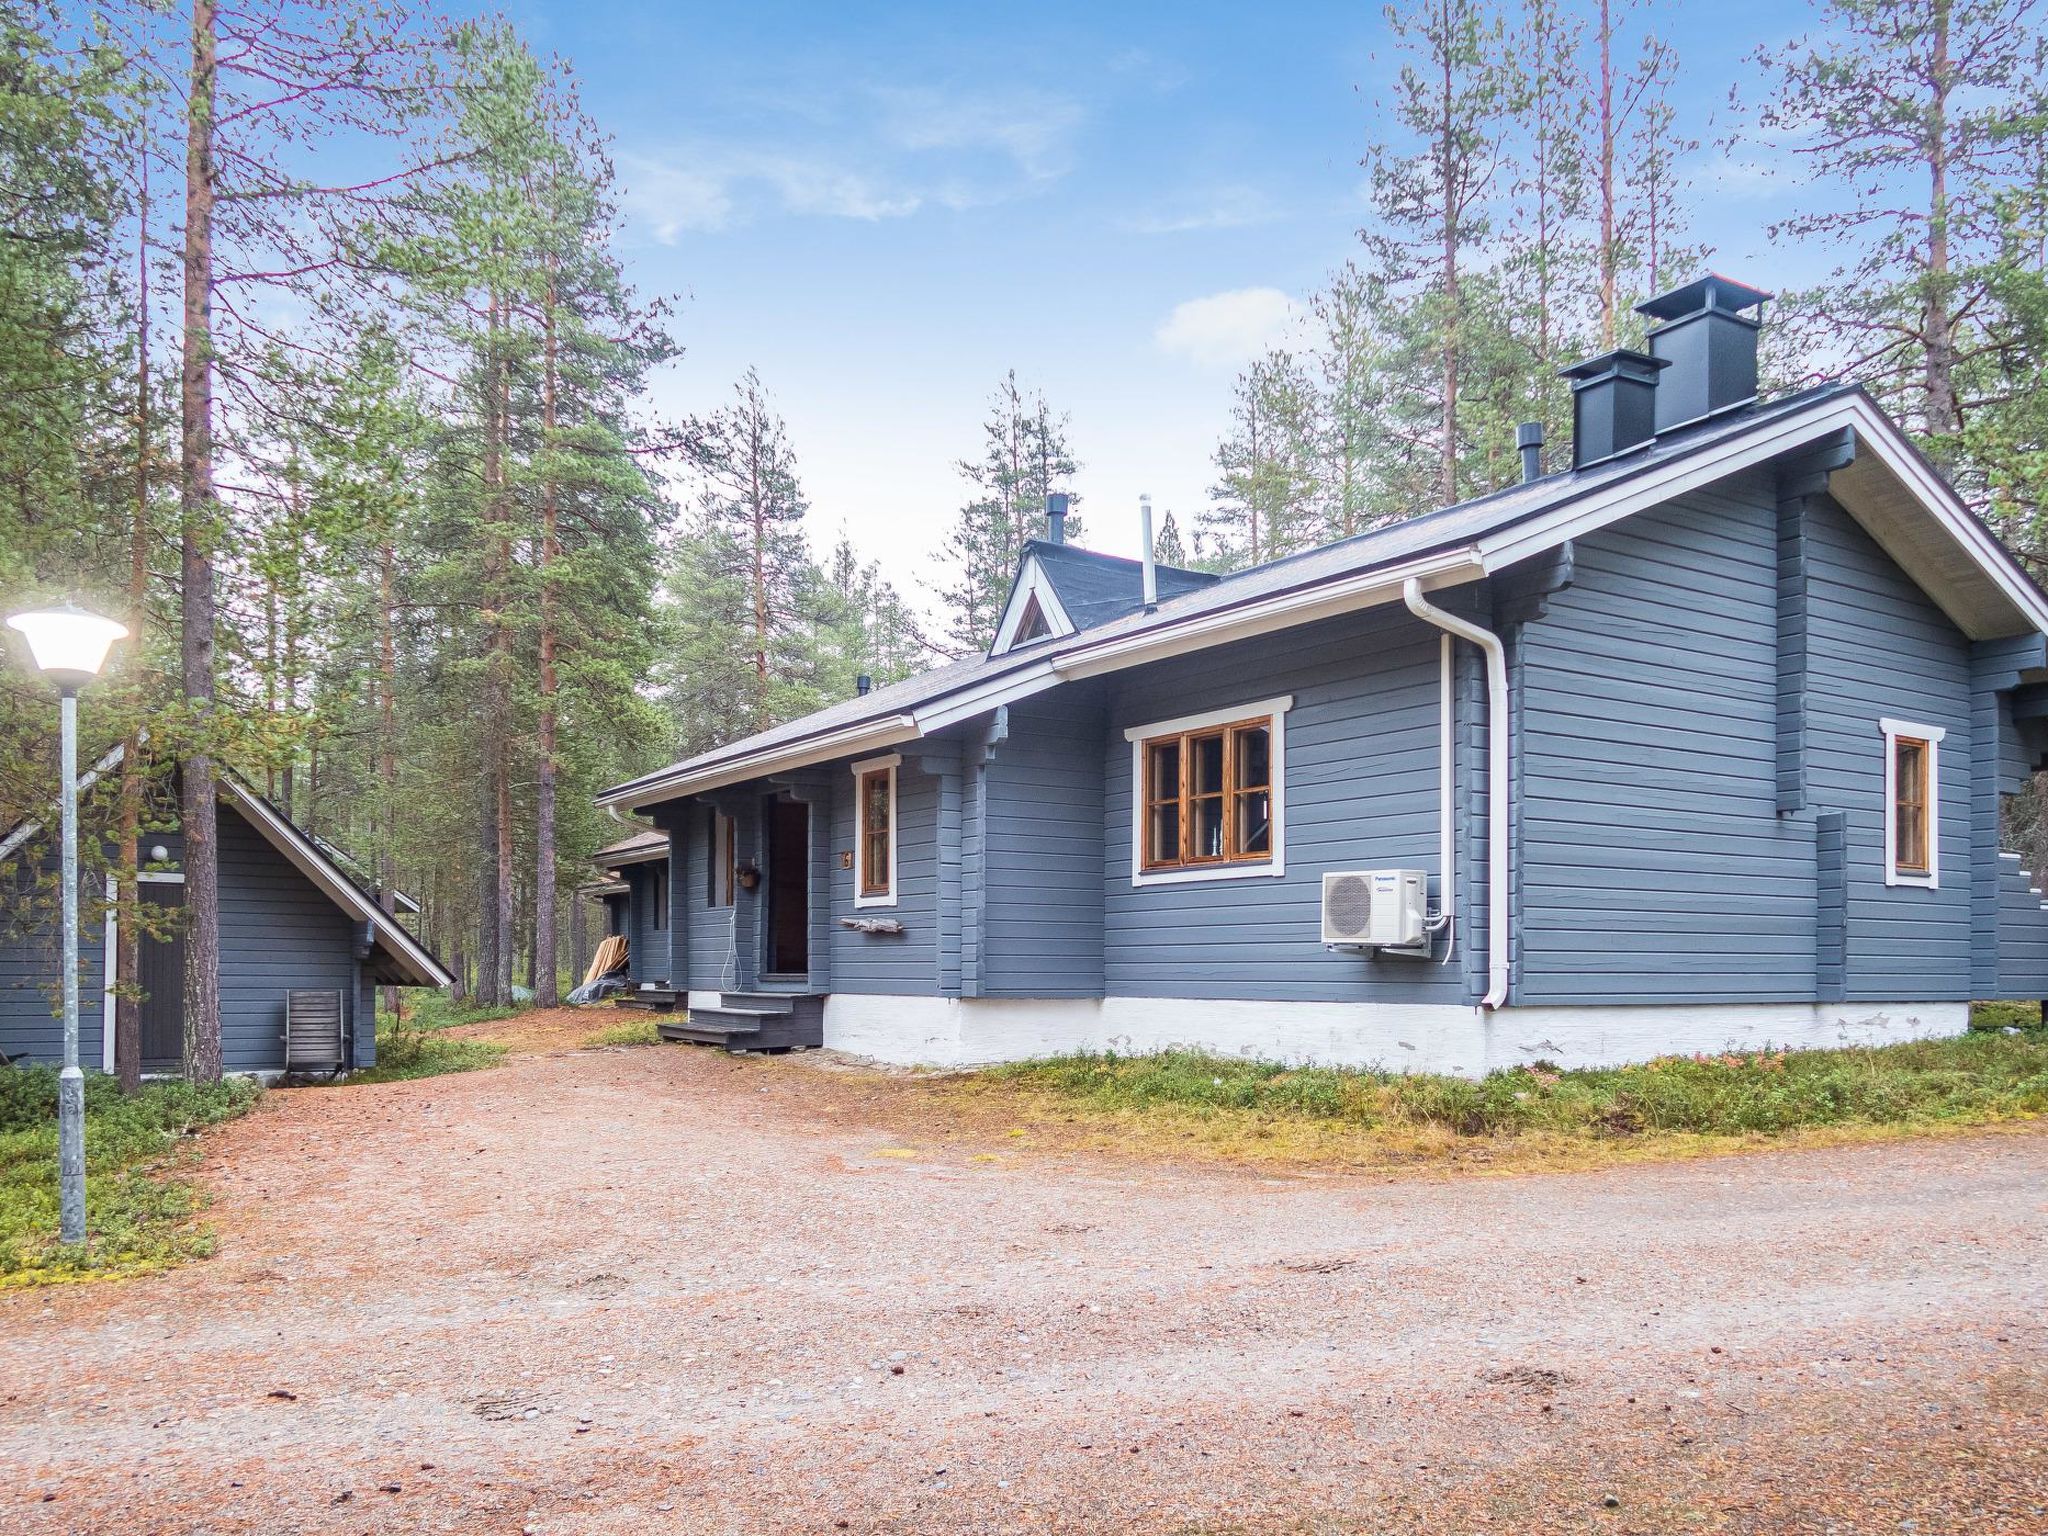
[[128, 945], [197, 535], [387, 741], [1447, 486], [1609, 257], [1944, 418], [545, 963]]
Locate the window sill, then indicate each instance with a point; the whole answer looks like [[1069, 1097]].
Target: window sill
[[861, 902], [1924, 882], [1203, 876]]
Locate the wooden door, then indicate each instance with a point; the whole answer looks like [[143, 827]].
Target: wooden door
[[161, 975], [789, 888]]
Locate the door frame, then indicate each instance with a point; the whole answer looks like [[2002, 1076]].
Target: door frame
[[110, 961], [776, 855]]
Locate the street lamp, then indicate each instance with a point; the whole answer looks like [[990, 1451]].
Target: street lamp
[[69, 646]]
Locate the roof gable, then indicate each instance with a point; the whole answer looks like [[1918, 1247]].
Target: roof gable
[[1072, 589]]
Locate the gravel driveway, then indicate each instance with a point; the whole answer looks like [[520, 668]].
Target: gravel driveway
[[662, 1290]]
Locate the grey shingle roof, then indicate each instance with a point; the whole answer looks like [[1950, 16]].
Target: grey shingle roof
[[1386, 545], [1095, 588]]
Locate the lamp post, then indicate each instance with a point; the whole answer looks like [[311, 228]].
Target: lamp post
[[69, 646]]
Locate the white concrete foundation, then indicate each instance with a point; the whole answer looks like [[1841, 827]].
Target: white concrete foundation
[[959, 1032]]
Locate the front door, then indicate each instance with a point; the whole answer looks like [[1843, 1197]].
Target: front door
[[789, 888], [162, 979]]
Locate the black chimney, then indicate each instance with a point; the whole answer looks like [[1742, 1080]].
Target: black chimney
[[1056, 517], [1529, 439], [1614, 404], [862, 684], [1703, 332]]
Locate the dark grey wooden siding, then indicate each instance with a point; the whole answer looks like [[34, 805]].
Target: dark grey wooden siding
[[31, 963], [1361, 787], [1654, 865], [278, 931], [1878, 646], [909, 962], [1042, 913], [647, 953]]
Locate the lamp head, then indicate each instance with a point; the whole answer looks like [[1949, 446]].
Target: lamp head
[[69, 644]]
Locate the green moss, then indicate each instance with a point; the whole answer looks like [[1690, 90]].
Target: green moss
[[137, 1216]]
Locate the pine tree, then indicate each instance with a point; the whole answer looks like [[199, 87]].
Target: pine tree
[[1167, 548], [1024, 456], [1263, 504], [1452, 101]]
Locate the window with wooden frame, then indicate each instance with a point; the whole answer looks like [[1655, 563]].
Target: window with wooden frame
[[722, 868], [1912, 803], [1207, 795], [1033, 624], [874, 832], [657, 894]]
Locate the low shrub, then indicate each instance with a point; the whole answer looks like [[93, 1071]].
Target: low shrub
[[1975, 1078], [408, 1050], [630, 1032], [136, 1218]]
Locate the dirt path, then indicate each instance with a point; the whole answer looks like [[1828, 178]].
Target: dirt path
[[663, 1290]]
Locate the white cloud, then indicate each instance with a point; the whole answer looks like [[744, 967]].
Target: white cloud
[[865, 153], [712, 187], [1229, 207], [1223, 330]]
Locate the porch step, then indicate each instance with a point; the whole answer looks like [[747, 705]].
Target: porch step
[[657, 999], [747, 1028]]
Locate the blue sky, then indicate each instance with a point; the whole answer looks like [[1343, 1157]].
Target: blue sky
[[882, 208]]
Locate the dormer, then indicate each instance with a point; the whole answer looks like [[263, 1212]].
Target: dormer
[[1060, 590]]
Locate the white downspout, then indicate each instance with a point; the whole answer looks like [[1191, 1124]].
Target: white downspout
[[1496, 782], [1446, 789]]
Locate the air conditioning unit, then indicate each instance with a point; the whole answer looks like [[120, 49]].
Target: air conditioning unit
[[1376, 908]]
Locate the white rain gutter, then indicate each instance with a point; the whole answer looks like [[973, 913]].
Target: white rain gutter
[[1496, 782]]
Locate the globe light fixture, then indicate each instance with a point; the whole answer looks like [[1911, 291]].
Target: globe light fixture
[[69, 644]]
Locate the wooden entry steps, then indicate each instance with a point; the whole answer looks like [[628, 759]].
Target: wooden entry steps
[[753, 1021]]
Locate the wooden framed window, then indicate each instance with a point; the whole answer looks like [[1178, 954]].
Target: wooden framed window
[[1032, 625], [722, 868], [874, 832], [1207, 795], [1912, 803]]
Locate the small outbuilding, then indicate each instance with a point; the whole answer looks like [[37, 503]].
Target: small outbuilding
[[303, 947]]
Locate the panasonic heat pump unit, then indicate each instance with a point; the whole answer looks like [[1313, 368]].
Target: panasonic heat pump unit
[[1376, 908]]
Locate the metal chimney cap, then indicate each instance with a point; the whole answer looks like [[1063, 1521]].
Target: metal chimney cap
[[1529, 435], [1710, 292], [1622, 362]]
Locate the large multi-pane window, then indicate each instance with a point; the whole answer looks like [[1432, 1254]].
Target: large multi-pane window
[[1208, 794]]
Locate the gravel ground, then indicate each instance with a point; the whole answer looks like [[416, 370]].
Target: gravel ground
[[663, 1290]]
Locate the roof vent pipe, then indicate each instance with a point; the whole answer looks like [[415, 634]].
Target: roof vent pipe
[[1614, 404], [862, 685], [1056, 517], [1145, 538], [1707, 335], [1529, 442]]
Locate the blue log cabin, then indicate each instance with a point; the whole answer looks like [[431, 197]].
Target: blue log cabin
[[303, 946], [1698, 743]]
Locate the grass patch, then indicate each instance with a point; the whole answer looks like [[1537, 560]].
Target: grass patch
[[2003, 1016], [630, 1032], [137, 1219], [424, 1010], [409, 1050], [1530, 1116]]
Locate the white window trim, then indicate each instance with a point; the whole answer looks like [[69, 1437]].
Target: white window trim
[[1932, 735], [1031, 582], [1138, 735], [888, 765]]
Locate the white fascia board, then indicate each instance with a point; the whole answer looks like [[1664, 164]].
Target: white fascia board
[[868, 735], [1031, 582], [1284, 610], [1876, 434], [299, 851], [979, 700]]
